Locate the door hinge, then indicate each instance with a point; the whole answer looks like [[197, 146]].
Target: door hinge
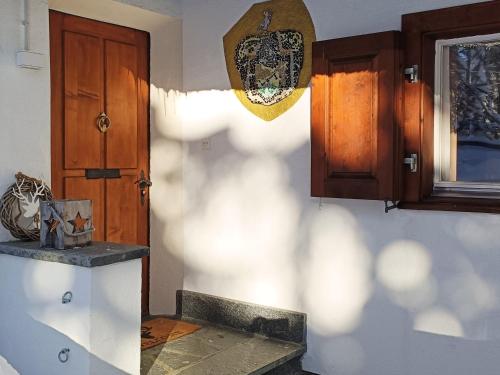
[[411, 74], [412, 161]]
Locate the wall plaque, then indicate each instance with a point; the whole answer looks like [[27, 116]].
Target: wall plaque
[[268, 56]]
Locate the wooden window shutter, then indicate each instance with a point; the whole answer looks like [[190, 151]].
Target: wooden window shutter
[[356, 116]]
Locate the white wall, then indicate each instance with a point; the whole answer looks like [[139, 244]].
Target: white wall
[[405, 293], [171, 8], [100, 326], [24, 98]]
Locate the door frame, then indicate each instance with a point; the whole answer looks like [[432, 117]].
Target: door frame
[[57, 119]]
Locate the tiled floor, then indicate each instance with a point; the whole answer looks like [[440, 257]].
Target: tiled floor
[[218, 351]]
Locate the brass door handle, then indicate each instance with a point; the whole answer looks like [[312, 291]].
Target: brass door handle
[[103, 122]]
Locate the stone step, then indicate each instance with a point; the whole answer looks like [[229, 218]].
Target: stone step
[[237, 338], [216, 350]]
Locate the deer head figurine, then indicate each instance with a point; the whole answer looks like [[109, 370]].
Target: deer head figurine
[[30, 203]]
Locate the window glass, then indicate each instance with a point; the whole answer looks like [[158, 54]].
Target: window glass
[[467, 118], [473, 70]]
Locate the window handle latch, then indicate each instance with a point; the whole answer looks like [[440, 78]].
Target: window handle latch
[[411, 74], [412, 161]]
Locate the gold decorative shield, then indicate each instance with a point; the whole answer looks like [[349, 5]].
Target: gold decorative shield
[[268, 56]]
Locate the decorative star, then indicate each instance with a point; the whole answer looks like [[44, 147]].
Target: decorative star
[[78, 223], [52, 224]]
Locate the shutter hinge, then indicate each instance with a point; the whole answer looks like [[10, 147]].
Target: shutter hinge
[[411, 74], [412, 161], [390, 207]]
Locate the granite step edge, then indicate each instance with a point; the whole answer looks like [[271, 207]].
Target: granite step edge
[[268, 321], [294, 355], [279, 362], [292, 367], [94, 255]]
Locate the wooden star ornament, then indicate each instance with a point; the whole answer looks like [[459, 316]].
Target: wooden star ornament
[[78, 223], [52, 223]]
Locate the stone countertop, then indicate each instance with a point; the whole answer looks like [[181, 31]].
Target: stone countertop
[[95, 255]]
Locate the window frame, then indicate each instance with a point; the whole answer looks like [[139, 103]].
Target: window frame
[[421, 32], [442, 136]]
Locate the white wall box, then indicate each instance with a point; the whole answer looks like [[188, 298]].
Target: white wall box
[[94, 329]]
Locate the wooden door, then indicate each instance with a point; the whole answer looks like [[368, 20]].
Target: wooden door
[[101, 71], [355, 119]]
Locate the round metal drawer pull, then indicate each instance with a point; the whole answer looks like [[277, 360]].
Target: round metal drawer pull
[[63, 355], [67, 297]]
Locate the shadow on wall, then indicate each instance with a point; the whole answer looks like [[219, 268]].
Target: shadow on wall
[[167, 208], [6, 368], [51, 364], [32, 321], [231, 203], [407, 292]]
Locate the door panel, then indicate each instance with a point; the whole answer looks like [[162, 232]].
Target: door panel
[[81, 188], [352, 118], [121, 105], [98, 67], [121, 210], [82, 101]]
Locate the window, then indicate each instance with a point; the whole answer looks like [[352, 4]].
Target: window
[[443, 121], [466, 116], [452, 113]]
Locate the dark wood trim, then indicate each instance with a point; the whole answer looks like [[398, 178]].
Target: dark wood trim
[[144, 162], [454, 204], [319, 110], [105, 30], [421, 30], [57, 106]]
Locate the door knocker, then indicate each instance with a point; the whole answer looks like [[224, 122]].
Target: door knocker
[[103, 122]]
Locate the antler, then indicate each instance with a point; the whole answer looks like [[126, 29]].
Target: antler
[[39, 190], [19, 194]]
